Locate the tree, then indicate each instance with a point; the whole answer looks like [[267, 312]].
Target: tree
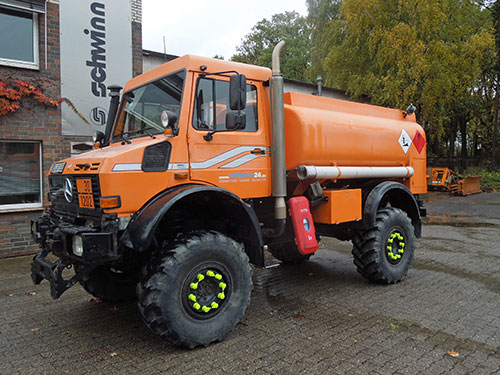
[[257, 46], [323, 16], [432, 53]]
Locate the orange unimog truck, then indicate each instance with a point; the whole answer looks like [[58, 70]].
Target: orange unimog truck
[[205, 165]]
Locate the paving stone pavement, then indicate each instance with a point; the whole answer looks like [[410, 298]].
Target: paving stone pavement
[[317, 318]]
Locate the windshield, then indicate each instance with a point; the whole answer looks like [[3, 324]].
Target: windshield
[[142, 108]]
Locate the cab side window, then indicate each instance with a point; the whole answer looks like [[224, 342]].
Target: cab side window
[[212, 104]]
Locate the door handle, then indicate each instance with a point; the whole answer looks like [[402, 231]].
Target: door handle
[[258, 151]]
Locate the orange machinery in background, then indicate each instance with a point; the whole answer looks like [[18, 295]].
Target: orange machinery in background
[[444, 179]]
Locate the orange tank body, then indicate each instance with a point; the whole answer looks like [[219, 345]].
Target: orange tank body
[[322, 131]]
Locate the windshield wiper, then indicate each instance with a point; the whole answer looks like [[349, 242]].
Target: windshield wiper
[[144, 119], [146, 132], [124, 139]]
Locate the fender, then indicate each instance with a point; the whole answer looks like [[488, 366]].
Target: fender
[[140, 231], [399, 196]]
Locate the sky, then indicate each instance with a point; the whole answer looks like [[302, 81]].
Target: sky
[[206, 28]]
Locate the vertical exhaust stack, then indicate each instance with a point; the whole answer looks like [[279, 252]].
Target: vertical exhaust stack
[[278, 137]]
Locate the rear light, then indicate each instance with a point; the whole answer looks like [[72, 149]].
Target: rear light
[[111, 202]]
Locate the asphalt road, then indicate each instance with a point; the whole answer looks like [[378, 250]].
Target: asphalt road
[[320, 317]]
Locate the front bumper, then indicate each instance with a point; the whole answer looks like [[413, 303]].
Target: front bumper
[[99, 247]]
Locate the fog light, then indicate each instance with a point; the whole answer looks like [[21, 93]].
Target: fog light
[[78, 245]]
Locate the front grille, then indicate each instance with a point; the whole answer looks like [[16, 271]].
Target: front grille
[[86, 166], [72, 209]]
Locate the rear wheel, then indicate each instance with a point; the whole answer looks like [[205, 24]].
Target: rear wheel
[[111, 284], [197, 290], [384, 253]]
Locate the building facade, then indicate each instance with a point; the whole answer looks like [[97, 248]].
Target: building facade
[[31, 107]]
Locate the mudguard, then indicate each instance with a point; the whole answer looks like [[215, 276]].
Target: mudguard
[[399, 196], [139, 233]]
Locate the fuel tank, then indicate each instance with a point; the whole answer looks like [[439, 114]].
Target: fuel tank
[[323, 131]]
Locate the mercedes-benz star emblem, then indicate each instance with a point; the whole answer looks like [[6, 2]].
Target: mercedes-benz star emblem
[[68, 190]]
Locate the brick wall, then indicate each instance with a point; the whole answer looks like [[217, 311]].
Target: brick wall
[[34, 122], [137, 11], [136, 48]]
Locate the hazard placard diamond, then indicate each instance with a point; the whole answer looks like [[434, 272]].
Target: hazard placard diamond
[[419, 141], [404, 141]]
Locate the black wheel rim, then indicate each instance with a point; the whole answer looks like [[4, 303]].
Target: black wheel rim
[[206, 290], [394, 248]]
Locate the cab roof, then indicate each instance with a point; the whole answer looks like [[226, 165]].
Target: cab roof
[[193, 63]]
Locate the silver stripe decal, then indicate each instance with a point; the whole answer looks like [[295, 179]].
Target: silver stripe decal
[[240, 161], [178, 166], [127, 167], [224, 156]]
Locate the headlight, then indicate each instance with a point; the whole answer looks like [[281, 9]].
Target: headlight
[[77, 245]]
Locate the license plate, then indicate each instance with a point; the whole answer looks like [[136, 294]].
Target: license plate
[[86, 201], [84, 185]]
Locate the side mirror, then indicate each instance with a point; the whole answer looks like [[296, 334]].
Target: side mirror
[[99, 138], [236, 121], [168, 120], [410, 110], [238, 92]]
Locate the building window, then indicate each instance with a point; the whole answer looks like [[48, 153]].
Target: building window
[[18, 38], [20, 175]]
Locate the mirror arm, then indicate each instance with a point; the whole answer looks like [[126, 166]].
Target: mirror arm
[[209, 136], [203, 75]]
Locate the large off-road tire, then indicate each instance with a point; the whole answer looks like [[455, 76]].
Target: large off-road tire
[[111, 284], [196, 290], [285, 249], [384, 253]]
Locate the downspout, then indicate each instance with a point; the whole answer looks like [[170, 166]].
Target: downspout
[[278, 145]]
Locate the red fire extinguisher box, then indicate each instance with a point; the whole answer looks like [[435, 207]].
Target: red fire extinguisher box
[[303, 225]]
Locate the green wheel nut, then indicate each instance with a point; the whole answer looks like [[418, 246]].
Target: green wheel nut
[[210, 273], [401, 251], [222, 286], [398, 256], [192, 297], [390, 240], [200, 277], [197, 306], [214, 305], [193, 286], [221, 295], [206, 309], [389, 248], [218, 276], [402, 244]]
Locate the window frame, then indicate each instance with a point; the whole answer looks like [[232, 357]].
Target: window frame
[[35, 65], [249, 83], [24, 206]]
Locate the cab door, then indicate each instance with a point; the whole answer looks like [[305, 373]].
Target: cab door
[[236, 160]]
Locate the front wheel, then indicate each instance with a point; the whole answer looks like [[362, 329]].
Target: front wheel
[[196, 290], [384, 253]]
